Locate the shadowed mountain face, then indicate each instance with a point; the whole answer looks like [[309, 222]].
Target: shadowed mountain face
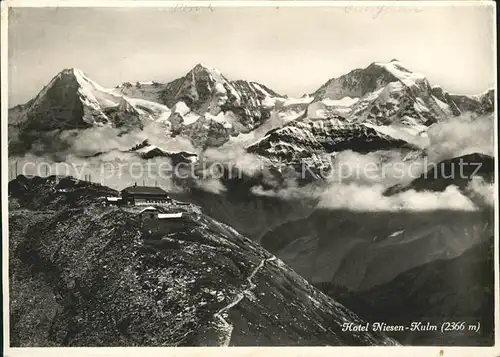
[[251, 215], [458, 171], [92, 275], [331, 246], [397, 268], [457, 289]]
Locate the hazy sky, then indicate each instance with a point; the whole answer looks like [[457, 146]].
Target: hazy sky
[[291, 50]]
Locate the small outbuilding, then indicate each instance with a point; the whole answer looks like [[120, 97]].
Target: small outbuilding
[[113, 200], [171, 216], [155, 222]]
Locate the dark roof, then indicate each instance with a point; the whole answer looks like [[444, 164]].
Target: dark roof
[[145, 190]]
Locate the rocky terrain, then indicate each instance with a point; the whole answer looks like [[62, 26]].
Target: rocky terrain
[[88, 275]]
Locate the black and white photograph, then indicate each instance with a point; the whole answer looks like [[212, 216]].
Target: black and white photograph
[[274, 174]]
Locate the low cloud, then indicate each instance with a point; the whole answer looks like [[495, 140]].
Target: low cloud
[[358, 182], [177, 144], [482, 191], [460, 136], [379, 167], [211, 185], [370, 198], [236, 159], [104, 139]]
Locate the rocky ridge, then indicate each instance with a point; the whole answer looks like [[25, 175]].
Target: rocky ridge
[[103, 280]]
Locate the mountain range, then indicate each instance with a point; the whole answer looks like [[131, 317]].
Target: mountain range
[[382, 104]]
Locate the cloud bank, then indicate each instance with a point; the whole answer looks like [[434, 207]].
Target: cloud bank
[[356, 181]]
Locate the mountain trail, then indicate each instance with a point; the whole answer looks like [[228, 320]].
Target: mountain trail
[[226, 327]]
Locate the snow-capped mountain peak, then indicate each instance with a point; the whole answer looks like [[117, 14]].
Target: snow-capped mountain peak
[[394, 103], [227, 108], [72, 90], [200, 67], [84, 80], [387, 93], [397, 69], [72, 101]]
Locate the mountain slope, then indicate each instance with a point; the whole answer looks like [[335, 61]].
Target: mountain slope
[[93, 275], [356, 83], [457, 289], [332, 246], [384, 93], [210, 110], [206, 89]]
